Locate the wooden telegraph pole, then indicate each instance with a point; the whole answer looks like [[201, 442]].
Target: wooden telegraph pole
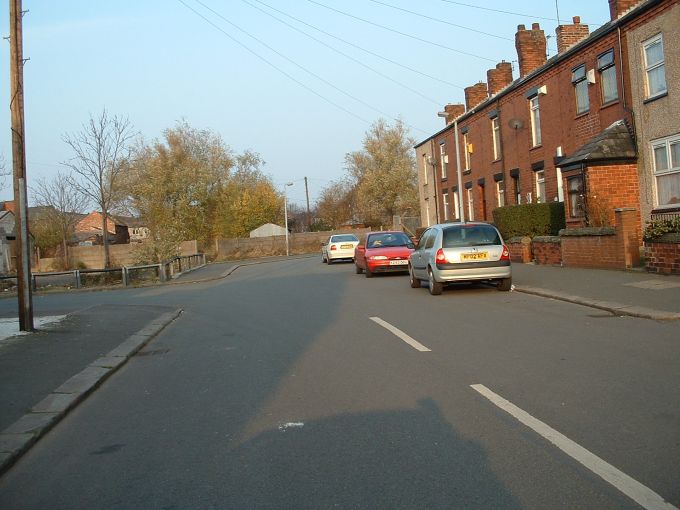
[[309, 216], [19, 165]]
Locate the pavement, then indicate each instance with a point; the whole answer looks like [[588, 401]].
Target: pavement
[[45, 374]]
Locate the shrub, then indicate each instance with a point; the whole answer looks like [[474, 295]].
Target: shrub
[[657, 228], [530, 219]]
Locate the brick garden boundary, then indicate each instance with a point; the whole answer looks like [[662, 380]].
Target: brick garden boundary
[[662, 255]]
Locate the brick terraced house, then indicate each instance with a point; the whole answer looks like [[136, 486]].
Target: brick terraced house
[[565, 130]]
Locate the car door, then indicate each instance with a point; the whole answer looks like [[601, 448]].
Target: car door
[[418, 262]]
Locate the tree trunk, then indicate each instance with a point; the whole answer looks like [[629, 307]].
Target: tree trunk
[[105, 238]]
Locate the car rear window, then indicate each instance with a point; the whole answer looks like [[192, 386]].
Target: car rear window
[[388, 239], [347, 238], [474, 235]]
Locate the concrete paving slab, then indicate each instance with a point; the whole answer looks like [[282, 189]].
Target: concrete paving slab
[[84, 381], [109, 361], [56, 403]]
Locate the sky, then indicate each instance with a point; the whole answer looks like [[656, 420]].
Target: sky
[[299, 81]]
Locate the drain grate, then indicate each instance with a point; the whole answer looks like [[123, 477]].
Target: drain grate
[[153, 352]]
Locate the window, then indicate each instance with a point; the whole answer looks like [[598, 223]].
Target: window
[[424, 169], [442, 158], [446, 206], [467, 151], [496, 132], [518, 191], [535, 121], [470, 201], [540, 186], [427, 211], [655, 68], [456, 206], [666, 155], [500, 193], [575, 192], [560, 185], [607, 69], [578, 78]]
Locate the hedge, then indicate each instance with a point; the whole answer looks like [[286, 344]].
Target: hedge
[[530, 219]]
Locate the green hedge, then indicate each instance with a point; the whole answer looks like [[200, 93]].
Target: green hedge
[[530, 219]]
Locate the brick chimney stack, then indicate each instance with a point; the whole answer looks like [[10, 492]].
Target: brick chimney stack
[[475, 94], [452, 111], [531, 48], [499, 78], [619, 7], [568, 35]]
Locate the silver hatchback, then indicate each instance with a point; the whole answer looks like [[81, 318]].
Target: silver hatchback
[[460, 252]]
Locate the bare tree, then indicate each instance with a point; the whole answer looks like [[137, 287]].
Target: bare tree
[[100, 149], [62, 204], [3, 172]]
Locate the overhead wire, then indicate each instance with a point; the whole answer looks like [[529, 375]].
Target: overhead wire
[[263, 59], [351, 96], [404, 34], [349, 43]]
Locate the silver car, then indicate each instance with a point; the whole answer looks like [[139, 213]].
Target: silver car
[[460, 252]]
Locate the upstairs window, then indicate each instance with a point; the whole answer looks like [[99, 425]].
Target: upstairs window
[[607, 70], [655, 67], [467, 151], [578, 78], [496, 133], [442, 158], [425, 169], [535, 121]]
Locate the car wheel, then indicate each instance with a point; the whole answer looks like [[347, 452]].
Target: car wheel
[[357, 269], [505, 284], [434, 286], [329, 261], [415, 282], [323, 259], [368, 272]]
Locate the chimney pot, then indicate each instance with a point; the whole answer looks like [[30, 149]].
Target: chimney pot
[[535, 26], [576, 20]]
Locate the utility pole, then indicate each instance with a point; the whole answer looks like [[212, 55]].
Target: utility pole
[[309, 218], [19, 165]]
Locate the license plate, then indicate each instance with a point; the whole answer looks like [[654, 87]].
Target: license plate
[[346, 246], [398, 262], [481, 255]]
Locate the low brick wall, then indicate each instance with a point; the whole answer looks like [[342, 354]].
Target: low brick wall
[[547, 250], [520, 249], [663, 255]]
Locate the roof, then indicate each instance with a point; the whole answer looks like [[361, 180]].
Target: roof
[[614, 143], [553, 61]]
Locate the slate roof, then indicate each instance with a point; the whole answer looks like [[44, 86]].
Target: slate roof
[[613, 144]]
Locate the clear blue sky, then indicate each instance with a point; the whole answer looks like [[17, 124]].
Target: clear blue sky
[[158, 61]]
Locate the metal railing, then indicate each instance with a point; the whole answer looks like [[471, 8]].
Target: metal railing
[[79, 278], [669, 214]]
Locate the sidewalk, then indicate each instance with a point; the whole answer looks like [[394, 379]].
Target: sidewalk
[[635, 293]]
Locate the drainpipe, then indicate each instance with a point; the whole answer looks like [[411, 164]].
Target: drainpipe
[[623, 89]]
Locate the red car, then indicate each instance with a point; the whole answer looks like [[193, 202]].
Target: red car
[[383, 252]]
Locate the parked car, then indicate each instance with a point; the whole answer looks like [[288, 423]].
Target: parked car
[[339, 247], [460, 252], [383, 252]]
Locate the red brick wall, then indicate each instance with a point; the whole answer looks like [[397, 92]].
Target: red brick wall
[[662, 258], [546, 252], [619, 186], [520, 249], [568, 35]]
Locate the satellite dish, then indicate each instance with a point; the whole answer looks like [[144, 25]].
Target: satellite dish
[[516, 123]]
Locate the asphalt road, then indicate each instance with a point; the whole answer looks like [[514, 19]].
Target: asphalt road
[[281, 386]]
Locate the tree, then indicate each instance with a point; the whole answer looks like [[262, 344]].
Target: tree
[[335, 205], [3, 172], [100, 150], [384, 174], [62, 203]]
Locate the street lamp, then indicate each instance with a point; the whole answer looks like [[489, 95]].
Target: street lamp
[[285, 212]]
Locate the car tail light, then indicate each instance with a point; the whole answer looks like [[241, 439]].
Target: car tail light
[[506, 253], [333, 247], [440, 257]]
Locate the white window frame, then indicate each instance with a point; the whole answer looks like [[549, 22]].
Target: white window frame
[[425, 169], [500, 193], [442, 157], [560, 185], [445, 200], [655, 66], [535, 115], [471, 204], [467, 151], [539, 176], [456, 206], [673, 165], [496, 134]]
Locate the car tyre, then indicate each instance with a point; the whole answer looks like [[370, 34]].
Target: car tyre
[[323, 259], [368, 272], [433, 285], [357, 269], [505, 284], [415, 282], [329, 261]]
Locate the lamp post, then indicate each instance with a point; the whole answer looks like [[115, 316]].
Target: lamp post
[[285, 213]]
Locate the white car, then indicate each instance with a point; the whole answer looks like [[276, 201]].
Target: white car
[[339, 247]]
